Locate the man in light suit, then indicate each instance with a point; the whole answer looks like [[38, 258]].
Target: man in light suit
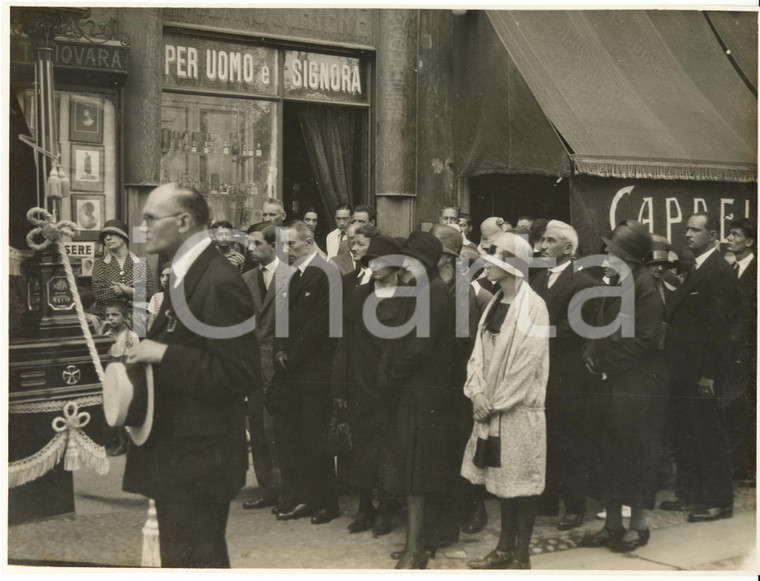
[[566, 396], [195, 460], [300, 394], [742, 413], [703, 318], [264, 283]]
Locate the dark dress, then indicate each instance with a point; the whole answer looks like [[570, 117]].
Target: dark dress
[[419, 371], [371, 462], [628, 408]]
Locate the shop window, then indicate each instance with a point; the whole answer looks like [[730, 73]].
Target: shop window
[[87, 132], [224, 147]]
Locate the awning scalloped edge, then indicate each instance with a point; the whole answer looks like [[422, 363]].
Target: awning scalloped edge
[[664, 170]]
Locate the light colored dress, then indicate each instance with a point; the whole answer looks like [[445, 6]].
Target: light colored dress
[[511, 369]]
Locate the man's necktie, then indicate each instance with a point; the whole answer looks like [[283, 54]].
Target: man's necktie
[[736, 270], [262, 283]]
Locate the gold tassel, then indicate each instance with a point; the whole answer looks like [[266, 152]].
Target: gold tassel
[[71, 459], [151, 552], [54, 183]]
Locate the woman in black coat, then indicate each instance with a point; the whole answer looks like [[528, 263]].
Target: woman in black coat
[[369, 465], [419, 369], [630, 393]]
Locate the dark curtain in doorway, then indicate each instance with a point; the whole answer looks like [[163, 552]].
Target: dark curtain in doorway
[[330, 136]]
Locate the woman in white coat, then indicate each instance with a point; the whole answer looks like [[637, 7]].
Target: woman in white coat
[[506, 381]]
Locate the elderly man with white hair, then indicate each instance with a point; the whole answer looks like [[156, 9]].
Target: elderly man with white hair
[[566, 391]]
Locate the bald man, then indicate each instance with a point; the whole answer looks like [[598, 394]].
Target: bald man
[[195, 460]]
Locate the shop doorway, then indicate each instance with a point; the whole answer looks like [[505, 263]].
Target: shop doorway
[[324, 160], [513, 196]]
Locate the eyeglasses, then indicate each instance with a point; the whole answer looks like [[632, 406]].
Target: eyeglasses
[[149, 220]]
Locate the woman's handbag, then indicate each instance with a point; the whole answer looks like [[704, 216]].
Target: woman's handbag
[[339, 434]]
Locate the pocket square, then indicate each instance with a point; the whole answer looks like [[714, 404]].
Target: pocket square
[[694, 293], [307, 294]]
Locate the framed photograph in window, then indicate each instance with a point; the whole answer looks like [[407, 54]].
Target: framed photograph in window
[[88, 211], [88, 168], [86, 120]]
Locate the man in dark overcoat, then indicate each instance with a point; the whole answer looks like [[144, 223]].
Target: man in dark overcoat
[[742, 412], [301, 386], [566, 389], [703, 319], [205, 361]]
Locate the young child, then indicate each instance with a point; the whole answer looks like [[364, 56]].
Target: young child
[[154, 307], [115, 326], [116, 438]]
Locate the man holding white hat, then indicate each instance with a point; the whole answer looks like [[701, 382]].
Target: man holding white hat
[[205, 361]]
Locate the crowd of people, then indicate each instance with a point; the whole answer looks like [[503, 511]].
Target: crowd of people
[[539, 385]]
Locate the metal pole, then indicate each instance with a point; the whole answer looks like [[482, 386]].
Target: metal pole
[[47, 126]]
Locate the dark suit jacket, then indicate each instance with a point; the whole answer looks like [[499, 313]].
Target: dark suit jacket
[[309, 347], [344, 262], [197, 449], [748, 289], [566, 347], [703, 318], [264, 308]]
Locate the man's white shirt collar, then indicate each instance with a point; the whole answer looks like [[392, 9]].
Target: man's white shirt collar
[[560, 267], [272, 266], [702, 257], [744, 262], [181, 265], [302, 267]]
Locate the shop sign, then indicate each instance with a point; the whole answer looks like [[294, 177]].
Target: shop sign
[[101, 57], [209, 64], [324, 77], [80, 249], [598, 205]]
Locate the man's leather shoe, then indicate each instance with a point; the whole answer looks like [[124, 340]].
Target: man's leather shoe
[[259, 503], [285, 507], [299, 511], [477, 522], [713, 513], [570, 521], [325, 515], [496, 559]]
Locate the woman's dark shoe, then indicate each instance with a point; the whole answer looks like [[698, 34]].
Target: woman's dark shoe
[[362, 521], [478, 521], [382, 525], [570, 521], [624, 545], [417, 560], [496, 559], [603, 538]]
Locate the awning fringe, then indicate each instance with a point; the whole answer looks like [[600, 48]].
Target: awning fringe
[[663, 170]]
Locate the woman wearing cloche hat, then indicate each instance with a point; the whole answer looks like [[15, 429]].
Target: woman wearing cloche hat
[[506, 381], [120, 274], [628, 368]]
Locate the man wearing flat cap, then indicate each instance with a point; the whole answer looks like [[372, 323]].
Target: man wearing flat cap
[[205, 361]]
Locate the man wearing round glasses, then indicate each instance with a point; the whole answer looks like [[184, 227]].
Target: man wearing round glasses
[[195, 459]]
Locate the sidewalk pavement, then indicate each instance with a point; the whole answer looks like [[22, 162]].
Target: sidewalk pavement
[[107, 531]]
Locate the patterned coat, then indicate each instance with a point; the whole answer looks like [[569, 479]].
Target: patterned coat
[[511, 370]]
